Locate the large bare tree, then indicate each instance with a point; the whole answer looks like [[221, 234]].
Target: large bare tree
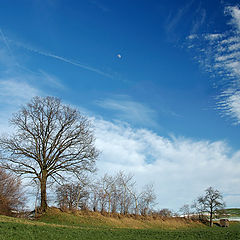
[[50, 141]]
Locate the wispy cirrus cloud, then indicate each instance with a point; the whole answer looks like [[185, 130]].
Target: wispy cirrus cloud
[[235, 13], [184, 19], [51, 80], [126, 109], [175, 17], [219, 54], [13, 91], [199, 18]]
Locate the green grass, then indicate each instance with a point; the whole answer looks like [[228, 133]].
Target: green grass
[[58, 225], [17, 230], [69, 219]]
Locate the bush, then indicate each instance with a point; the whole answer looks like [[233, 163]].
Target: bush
[[11, 195]]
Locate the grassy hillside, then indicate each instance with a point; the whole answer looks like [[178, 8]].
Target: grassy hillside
[[96, 220], [58, 225]]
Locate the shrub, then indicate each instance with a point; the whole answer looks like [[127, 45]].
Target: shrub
[[11, 195]]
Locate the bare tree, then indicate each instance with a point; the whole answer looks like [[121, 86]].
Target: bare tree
[[108, 187], [126, 184], [198, 208], [72, 196], [117, 194], [94, 196], [136, 197], [165, 212], [102, 197], [11, 195], [185, 210], [148, 198], [51, 140], [212, 202]]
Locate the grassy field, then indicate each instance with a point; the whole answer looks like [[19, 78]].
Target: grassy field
[[234, 212], [59, 225]]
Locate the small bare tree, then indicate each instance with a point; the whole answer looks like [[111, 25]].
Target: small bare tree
[[11, 194], [94, 200], [148, 198], [126, 184], [185, 210], [136, 197], [212, 202], [108, 187], [198, 208], [100, 197], [165, 212], [72, 195], [51, 140]]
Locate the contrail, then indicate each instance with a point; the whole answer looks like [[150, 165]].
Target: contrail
[[5, 41], [47, 54]]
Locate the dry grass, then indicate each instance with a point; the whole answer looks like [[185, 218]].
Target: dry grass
[[97, 220]]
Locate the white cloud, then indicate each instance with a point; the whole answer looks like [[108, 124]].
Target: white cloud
[[180, 168], [129, 110], [234, 11], [231, 104], [18, 84], [213, 36], [192, 36], [13, 91], [220, 54]]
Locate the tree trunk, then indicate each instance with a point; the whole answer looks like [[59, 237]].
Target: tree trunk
[[109, 204], [78, 198], [43, 180], [36, 201], [211, 216], [136, 207]]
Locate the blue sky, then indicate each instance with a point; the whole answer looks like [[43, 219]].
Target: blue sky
[[159, 79]]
